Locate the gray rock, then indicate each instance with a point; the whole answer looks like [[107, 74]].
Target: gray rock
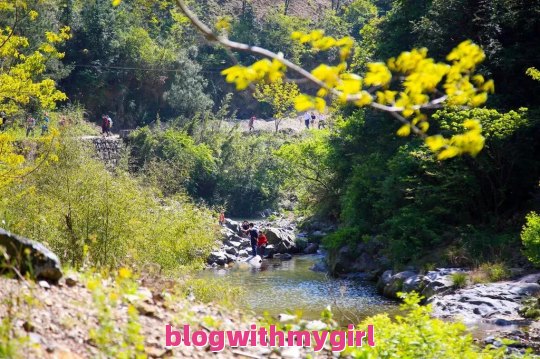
[[319, 266], [439, 285], [285, 257], [232, 225], [29, 256], [243, 253], [231, 250], [415, 283], [217, 257], [230, 258], [282, 240], [270, 251], [311, 248], [384, 279], [396, 284]]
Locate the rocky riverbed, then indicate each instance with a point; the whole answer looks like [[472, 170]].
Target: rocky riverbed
[[283, 242]]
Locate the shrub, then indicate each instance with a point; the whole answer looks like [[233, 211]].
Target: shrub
[[459, 280], [417, 335], [530, 235], [89, 215], [490, 272]]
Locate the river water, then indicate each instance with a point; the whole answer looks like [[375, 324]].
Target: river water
[[279, 286]]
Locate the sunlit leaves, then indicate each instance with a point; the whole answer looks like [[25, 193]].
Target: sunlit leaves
[[279, 95], [243, 76], [534, 73], [21, 74]]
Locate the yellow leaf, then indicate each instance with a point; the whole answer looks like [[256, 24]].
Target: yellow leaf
[[404, 131]]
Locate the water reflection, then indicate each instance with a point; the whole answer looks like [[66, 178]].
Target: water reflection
[[280, 285]]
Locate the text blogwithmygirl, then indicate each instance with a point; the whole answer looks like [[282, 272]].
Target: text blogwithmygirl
[[217, 340]]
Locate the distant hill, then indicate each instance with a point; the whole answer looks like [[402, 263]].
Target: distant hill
[[310, 9]]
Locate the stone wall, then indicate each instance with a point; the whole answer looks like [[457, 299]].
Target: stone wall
[[108, 149]]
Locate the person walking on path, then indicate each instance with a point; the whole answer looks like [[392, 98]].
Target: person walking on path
[[251, 123], [45, 124], [313, 117], [262, 242], [307, 118], [30, 126], [104, 124], [322, 123], [254, 237]]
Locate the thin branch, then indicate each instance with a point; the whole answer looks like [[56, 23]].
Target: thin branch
[[212, 37]]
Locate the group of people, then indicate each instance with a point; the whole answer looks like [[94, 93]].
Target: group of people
[[31, 123], [257, 237], [310, 118]]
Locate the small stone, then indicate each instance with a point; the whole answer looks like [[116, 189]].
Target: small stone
[[71, 281], [44, 284], [28, 327], [154, 352], [146, 309]]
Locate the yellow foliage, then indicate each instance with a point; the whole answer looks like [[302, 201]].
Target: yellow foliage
[[21, 72]]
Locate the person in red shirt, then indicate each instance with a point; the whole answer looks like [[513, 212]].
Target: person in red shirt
[[262, 242], [221, 218]]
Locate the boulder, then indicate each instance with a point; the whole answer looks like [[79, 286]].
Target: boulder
[[233, 244], [226, 233], [270, 251], [231, 250], [311, 248], [232, 225], [384, 279], [230, 258], [395, 285], [415, 283], [217, 257], [29, 256], [443, 284], [243, 253], [282, 240]]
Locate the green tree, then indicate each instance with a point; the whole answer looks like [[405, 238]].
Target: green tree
[[280, 96]]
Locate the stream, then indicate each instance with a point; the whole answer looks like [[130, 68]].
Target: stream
[[279, 286]]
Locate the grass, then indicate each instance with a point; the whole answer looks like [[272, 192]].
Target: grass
[[72, 117], [490, 272], [459, 280]]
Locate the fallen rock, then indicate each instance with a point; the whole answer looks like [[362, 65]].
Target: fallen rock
[[29, 256]]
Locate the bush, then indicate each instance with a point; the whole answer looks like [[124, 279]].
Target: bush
[[417, 335], [490, 272], [88, 215], [459, 280], [530, 235]]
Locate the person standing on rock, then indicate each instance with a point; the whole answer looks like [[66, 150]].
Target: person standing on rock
[[262, 242], [254, 237], [245, 228], [251, 124], [221, 218]]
